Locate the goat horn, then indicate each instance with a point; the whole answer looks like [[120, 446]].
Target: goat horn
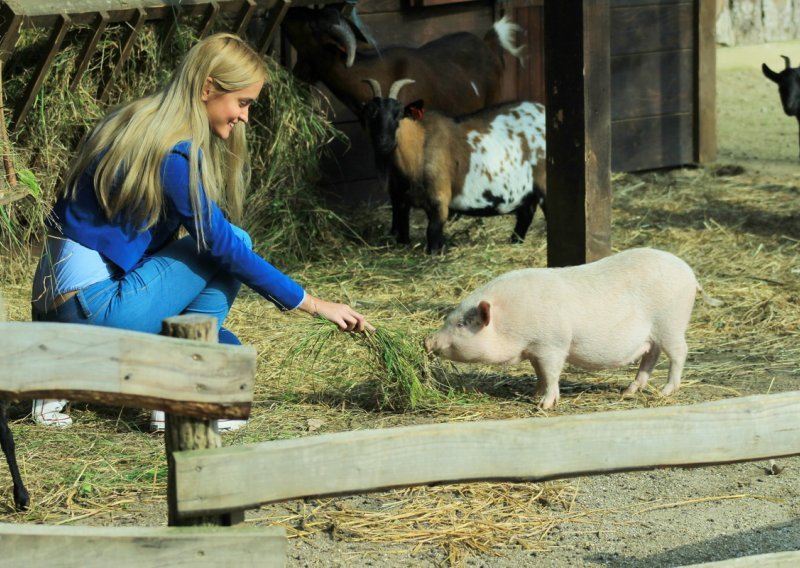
[[397, 85], [344, 35], [376, 87], [786, 59]]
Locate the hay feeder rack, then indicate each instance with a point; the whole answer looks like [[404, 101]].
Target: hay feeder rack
[[62, 15]]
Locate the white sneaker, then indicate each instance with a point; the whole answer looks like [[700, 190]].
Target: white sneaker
[[47, 412], [229, 425], [157, 423]]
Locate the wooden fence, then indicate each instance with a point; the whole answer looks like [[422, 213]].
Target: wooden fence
[[214, 484]]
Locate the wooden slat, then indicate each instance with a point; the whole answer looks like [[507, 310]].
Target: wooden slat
[[243, 18], [125, 51], [134, 547], [652, 28], [650, 84], [272, 25], [578, 131], [113, 366], [789, 559], [705, 126], [54, 42], [10, 25], [746, 428], [89, 48], [209, 18], [652, 142]]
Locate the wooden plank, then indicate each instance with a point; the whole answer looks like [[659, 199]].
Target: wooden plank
[[114, 366], [273, 25], [46, 7], [32, 90], [209, 17], [705, 88], [652, 142], [243, 18], [577, 84], [125, 50], [737, 429], [10, 25], [89, 48], [652, 28], [789, 559], [650, 84], [134, 547]]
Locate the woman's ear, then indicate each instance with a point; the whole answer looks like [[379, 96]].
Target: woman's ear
[[207, 85]]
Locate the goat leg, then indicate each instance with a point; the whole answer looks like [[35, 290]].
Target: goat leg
[[401, 209], [437, 216], [21, 497]]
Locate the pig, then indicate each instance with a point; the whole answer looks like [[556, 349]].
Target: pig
[[604, 314]]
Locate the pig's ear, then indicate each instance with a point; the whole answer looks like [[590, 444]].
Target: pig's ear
[[484, 315]]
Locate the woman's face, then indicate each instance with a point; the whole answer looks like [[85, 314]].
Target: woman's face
[[226, 109]]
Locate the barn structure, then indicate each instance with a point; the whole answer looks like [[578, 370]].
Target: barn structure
[[629, 84]]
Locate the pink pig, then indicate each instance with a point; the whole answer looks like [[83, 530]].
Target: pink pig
[[604, 314]]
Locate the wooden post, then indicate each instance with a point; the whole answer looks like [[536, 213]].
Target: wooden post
[[186, 433], [706, 99], [577, 85]]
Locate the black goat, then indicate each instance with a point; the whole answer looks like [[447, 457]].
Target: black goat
[[788, 81], [21, 498]]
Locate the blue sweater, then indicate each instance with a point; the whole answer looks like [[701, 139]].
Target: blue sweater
[[84, 221]]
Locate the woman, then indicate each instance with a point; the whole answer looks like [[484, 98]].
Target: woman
[[173, 159]]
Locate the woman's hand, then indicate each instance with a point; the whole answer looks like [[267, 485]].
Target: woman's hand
[[341, 314]]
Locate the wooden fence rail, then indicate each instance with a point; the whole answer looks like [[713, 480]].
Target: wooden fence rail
[[738, 429]]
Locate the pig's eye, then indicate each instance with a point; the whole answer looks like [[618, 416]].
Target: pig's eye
[[461, 323]]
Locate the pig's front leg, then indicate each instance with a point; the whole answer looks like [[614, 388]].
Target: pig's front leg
[[649, 360], [548, 371]]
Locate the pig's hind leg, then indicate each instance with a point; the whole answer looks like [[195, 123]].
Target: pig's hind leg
[[646, 365], [677, 350], [548, 371]]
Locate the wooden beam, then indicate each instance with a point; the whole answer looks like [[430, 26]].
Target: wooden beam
[[273, 24], [769, 560], [737, 429], [123, 547], [127, 44], [126, 368], [210, 16], [89, 48], [32, 90], [577, 85], [705, 127], [10, 26], [244, 17]]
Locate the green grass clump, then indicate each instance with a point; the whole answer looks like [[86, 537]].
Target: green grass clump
[[385, 369]]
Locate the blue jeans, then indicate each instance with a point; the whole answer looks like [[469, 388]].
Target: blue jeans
[[175, 280]]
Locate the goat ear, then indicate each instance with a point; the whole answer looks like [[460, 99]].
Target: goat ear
[[415, 110], [769, 73], [484, 313]]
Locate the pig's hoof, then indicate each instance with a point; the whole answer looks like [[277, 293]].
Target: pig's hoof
[[548, 402], [668, 389], [632, 389]]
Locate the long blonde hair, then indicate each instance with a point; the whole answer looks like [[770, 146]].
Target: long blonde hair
[[138, 135]]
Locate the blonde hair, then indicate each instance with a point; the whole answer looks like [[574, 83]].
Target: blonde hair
[[134, 139]]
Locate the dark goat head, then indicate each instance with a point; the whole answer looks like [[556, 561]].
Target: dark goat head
[[311, 30], [788, 81], [381, 116]]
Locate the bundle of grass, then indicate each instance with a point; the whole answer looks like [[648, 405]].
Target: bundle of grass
[[392, 370]]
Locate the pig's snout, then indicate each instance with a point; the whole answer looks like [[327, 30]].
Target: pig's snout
[[433, 344]]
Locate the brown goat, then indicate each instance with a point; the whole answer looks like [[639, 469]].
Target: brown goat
[[456, 74]]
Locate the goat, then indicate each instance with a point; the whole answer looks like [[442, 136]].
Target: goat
[[21, 497], [457, 74], [488, 163], [788, 81]]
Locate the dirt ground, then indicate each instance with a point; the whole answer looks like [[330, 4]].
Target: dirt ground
[[664, 517]]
